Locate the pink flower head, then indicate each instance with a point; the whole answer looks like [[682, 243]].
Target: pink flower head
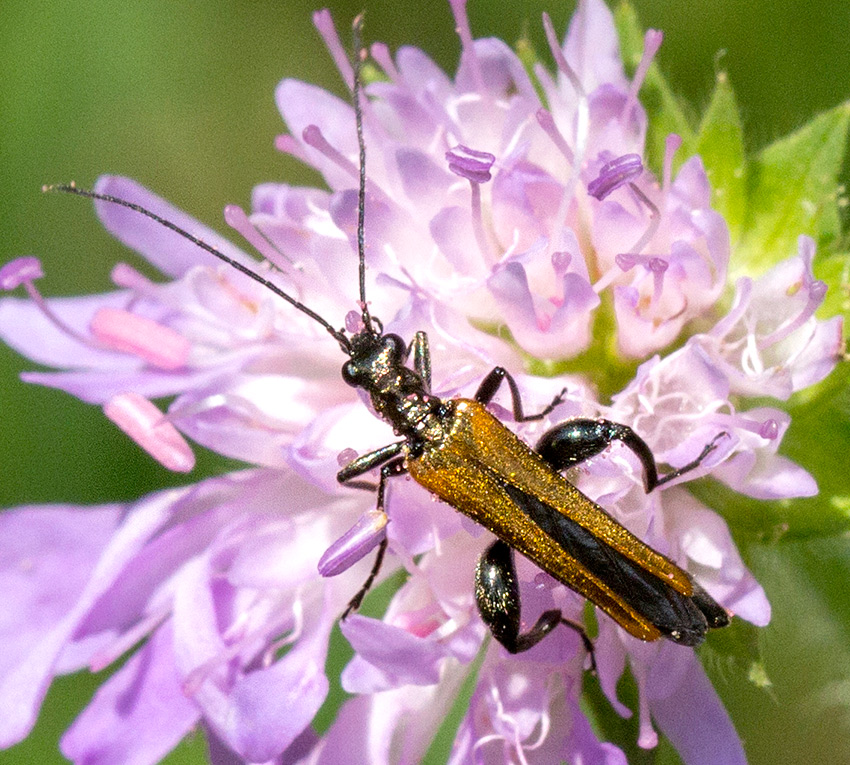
[[485, 209]]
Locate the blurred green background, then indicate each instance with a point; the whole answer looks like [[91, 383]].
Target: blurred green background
[[180, 96]]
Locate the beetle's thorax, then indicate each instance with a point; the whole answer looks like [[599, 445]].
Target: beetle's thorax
[[398, 393]]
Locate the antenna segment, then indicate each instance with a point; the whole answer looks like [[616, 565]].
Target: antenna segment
[[337, 335]]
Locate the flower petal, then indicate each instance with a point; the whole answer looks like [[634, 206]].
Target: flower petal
[[138, 715]]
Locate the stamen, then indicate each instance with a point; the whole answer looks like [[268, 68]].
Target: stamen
[[470, 164], [547, 122], [144, 424], [24, 271], [467, 47], [654, 219], [358, 541], [671, 146], [323, 21], [558, 55], [769, 429], [561, 262], [158, 345], [124, 275], [657, 267], [582, 108], [651, 43], [288, 145], [475, 167], [614, 174], [381, 54], [236, 218], [312, 136], [20, 271], [817, 291]]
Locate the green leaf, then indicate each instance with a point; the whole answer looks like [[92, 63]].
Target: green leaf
[[807, 656], [835, 272], [666, 112], [793, 190], [720, 143]]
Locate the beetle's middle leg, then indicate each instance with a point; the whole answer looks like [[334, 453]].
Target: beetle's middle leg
[[497, 596], [493, 381], [391, 465]]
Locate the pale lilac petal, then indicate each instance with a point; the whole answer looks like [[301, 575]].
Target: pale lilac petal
[[138, 715], [775, 477], [402, 658], [97, 387], [678, 687], [545, 331], [501, 71], [47, 555], [298, 751], [26, 329], [272, 707], [169, 252], [592, 48], [704, 537], [302, 105]]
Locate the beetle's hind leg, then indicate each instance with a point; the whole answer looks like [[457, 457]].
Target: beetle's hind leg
[[574, 441], [497, 596]]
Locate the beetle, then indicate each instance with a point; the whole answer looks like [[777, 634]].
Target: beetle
[[465, 456]]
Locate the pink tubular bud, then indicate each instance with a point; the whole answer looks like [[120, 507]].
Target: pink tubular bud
[[144, 424], [357, 542], [158, 345]]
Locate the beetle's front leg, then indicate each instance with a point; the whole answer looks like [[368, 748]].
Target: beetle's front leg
[[491, 384], [497, 596], [392, 465], [574, 441]]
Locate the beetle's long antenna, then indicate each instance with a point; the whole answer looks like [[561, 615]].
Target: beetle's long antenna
[[335, 333], [357, 66]]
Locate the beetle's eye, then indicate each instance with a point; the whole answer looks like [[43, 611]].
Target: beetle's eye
[[350, 373], [395, 345]]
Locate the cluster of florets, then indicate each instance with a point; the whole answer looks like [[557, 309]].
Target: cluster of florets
[[486, 211]]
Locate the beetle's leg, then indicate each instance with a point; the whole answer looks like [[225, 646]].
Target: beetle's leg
[[490, 385], [576, 440], [497, 596], [390, 469], [367, 462], [421, 359]]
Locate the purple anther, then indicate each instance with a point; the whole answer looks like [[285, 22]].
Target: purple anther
[[817, 291], [769, 429], [625, 261], [561, 261], [658, 265], [614, 174], [356, 543], [20, 271], [470, 164]]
